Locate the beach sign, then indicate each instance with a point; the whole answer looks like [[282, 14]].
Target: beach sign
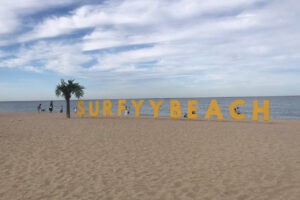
[[213, 110]]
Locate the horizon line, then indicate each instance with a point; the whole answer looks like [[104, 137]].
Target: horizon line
[[87, 99]]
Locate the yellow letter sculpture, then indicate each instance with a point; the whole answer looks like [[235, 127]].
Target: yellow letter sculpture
[[192, 109], [81, 111], [265, 110], [121, 106], [137, 107], [213, 109], [175, 111], [96, 112], [155, 107], [232, 106], [107, 104]]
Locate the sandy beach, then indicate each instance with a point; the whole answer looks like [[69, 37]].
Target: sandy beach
[[46, 156]]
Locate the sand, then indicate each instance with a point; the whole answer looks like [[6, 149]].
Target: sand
[[46, 156]]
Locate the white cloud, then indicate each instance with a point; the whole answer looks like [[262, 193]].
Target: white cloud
[[133, 14], [57, 57], [11, 12]]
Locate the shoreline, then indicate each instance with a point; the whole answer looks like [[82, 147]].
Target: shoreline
[[74, 116]]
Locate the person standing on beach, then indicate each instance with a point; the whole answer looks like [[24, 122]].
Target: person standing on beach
[[39, 108], [51, 106], [126, 111], [237, 110]]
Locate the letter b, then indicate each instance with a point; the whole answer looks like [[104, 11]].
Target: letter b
[[175, 111]]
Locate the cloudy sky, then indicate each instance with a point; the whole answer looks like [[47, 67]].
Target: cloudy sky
[[150, 48]]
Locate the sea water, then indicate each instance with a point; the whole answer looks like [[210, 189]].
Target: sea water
[[281, 107]]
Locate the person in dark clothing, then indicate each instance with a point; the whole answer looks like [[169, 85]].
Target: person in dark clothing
[[39, 108], [51, 106], [237, 110]]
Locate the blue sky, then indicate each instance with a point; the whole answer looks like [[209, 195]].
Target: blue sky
[[150, 48]]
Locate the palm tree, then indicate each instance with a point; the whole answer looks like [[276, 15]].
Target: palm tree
[[66, 90]]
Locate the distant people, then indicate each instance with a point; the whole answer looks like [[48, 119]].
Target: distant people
[[126, 111], [51, 106], [186, 115], [237, 110], [61, 109], [39, 108], [75, 109]]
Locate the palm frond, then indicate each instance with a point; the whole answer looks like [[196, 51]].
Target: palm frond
[[66, 89]]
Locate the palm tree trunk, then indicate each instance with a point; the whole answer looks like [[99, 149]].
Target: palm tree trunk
[[68, 108]]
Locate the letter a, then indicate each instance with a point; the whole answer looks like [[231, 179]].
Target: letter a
[[214, 109]]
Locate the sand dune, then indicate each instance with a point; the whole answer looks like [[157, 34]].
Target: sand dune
[[46, 156]]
